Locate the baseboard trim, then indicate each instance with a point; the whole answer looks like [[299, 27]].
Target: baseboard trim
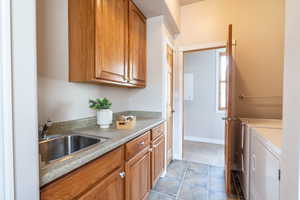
[[205, 140]]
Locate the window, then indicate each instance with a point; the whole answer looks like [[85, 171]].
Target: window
[[221, 79]]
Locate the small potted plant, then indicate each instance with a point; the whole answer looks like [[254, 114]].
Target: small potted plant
[[104, 114]]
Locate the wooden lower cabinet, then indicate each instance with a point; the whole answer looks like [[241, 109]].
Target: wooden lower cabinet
[[157, 159], [138, 175], [84, 181], [111, 188], [126, 173]]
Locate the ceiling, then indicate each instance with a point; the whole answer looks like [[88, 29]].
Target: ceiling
[[186, 2], [153, 8]]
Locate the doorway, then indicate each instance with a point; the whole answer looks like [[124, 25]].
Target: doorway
[[204, 105]]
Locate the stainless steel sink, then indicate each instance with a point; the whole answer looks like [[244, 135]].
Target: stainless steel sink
[[54, 148]]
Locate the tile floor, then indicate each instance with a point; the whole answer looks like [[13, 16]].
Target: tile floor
[[190, 181], [211, 154]]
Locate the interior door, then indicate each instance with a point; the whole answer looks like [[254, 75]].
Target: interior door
[[170, 105], [229, 113]]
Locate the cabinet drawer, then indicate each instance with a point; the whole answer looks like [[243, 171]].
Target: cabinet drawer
[[74, 184], [157, 131], [135, 146]]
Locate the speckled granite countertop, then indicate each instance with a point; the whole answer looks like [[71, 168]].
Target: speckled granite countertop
[[56, 169]]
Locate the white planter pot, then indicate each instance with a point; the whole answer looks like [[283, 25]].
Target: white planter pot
[[104, 118]]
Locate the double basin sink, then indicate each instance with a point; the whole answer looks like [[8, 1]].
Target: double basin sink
[[60, 147]]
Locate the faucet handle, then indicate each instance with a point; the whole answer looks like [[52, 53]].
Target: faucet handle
[[44, 129], [49, 123]]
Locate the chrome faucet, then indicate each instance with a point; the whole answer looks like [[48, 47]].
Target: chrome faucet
[[44, 129]]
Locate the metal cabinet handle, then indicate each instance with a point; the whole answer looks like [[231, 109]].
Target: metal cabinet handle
[[253, 162], [142, 143], [122, 174], [243, 135], [230, 118], [150, 150], [154, 146], [243, 164]]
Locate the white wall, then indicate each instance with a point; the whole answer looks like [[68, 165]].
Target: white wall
[[258, 28], [25, 99], [154, 96], [170, 9], [150, 97], [291, 147], [201, 119], [60, 100], [2, 186], [7, 191], [2, 49]]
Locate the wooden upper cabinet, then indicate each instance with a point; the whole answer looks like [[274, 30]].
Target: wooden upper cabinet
[[111, 40], [99, 43], [137, 46]]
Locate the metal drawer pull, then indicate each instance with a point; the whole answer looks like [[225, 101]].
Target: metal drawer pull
[[230, 118], [122, 174], [142, 143], [150, 150]]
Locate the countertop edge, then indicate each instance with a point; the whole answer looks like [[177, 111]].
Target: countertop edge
[[48, 177]]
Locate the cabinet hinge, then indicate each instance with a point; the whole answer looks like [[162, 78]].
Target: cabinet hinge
[[279, 174]]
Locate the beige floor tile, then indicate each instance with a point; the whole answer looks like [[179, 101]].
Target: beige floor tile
[[211, 154]]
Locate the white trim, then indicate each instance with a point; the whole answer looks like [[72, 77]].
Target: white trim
[[178, 94], [25, 119], [205, 140], [178, 105], [6, 99], [217, 54]]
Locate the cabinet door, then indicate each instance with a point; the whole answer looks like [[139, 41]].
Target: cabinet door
[[74, 184], [138, 176], [110, 188], [137, 46], [264, 179], [157, 159], [111, 40]]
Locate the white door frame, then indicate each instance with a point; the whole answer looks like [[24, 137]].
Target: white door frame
[[6, 124], [178, 132], [25, 117]]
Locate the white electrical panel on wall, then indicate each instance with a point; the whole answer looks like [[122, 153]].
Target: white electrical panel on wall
[[188, 86]]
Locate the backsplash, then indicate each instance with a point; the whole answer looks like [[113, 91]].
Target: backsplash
[[58, 127]]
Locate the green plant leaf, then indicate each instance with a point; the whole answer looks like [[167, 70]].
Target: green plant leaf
[[99, 104]]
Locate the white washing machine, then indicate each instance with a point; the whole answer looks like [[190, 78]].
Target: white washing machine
[[245, 147]]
